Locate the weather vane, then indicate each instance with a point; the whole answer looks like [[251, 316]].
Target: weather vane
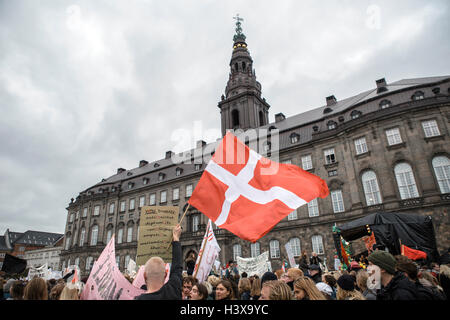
[[239, 34]]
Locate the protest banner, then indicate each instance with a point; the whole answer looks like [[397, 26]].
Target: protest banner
[[106, 282], [254, 266], [290, 255], [155, 233], [41, 272], [207, 256]]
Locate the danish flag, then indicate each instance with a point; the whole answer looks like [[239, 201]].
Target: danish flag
[[248, 194]]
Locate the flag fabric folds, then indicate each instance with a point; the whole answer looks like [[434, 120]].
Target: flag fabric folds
[[12, 264], [248, 194], [207, 256], [413, 254]]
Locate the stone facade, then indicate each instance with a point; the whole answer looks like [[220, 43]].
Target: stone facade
[[404, 105]]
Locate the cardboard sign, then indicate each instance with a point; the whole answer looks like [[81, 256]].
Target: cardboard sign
[[156, 232], [290, 255]]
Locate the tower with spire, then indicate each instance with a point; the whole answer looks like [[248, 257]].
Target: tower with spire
[[242, 106]]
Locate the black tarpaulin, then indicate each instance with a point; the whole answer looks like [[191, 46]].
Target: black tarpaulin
[[12, 264], [414, 231]]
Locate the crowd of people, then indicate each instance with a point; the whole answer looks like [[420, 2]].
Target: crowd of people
[[399, 277]]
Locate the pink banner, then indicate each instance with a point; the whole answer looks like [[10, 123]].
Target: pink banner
[[106, 282]]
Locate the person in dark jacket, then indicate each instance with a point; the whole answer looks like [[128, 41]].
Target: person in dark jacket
[[394, 285], [410, 270], [155, 274], [315, 259], [315, 273], [190, 263]]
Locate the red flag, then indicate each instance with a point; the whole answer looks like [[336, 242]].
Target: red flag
[[413, 254], [247, 194]]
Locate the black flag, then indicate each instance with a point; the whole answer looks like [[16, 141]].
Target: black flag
[[12, 264]]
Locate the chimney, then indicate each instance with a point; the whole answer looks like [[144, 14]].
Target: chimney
[[381, 85], [331, 100], [279, 117], [142, 163], [120, 170], [169, 154], [201, 144]]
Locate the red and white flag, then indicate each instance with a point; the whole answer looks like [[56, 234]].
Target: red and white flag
[[207, 255], [248, 194]]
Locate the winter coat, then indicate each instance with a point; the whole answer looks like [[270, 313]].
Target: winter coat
[[369, 295], [428, 293], [245, 295], [315, 260], [399, 288]]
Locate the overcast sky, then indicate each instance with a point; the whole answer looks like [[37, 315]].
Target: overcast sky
[[87, 87]]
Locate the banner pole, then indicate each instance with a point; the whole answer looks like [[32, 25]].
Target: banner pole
[[180, 221], [202, 249]]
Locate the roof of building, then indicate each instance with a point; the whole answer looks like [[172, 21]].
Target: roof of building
[[37, 238], [3, 245], [293, 123]]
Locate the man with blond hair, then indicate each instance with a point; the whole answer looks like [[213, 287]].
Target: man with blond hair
[[155, 274]]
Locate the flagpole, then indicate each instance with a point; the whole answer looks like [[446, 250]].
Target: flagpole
[[182, 217], [202, 249]]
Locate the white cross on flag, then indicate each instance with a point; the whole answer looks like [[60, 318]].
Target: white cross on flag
[[248, 194]]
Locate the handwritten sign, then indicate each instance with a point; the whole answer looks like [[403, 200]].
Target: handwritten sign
[[155, 233], [106, 282], [252, 266]]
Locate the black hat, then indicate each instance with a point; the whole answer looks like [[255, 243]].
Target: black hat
[[346, 282], [268, 276]]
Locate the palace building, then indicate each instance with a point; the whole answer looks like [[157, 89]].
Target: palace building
[[385, 149]]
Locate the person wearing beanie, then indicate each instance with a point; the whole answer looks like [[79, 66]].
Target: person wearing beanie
[[346, 289], [394, 285], [268, 276]]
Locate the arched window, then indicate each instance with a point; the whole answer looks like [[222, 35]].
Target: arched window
[[235, 118], [243, 65], [89, 261], [295, 246], [295, 137], [130, 234], [255, 249], [82, 235], [274, 248], [108, 235], [237, 252], [94, 235], [236, 66], [120, 235], [68, 238], [441, 166], [371, 189], [405, 181], [385, 104], [261, 118], [317, 244], [418, 95]]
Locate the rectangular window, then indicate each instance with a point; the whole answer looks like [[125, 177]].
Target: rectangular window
[[188, 190], [292, 215], [96, 210], [85, 212], [255, 249], [120, 235], [132, 202], [122, 206], [430, 128], [141, 201], [77, 215], [317, 244], [307, 162], [332, 173], [313, 208], [330, 157], [195, 223], [337, 200], [274, 249], [288, 161], [153, 199], [163, 198], [112, 207], [393, 136], [361, 145], [71, 217], [176, 194]]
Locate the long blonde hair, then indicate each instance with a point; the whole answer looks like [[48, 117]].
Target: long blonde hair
[[69, 294], [279, 290], [309, 286], [256, 287]]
